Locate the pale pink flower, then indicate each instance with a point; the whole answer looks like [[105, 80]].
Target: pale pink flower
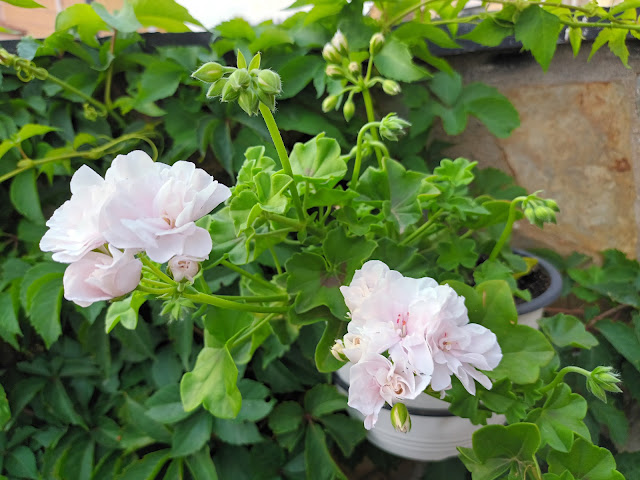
[[98, 276], [375, 380], [184, 267], [156, 207], [73, 227], [366, 281]]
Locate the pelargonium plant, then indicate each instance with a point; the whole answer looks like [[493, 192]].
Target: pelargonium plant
[[411, 275]]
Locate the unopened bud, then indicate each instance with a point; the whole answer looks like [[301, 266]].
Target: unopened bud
[[330, 54], [183, 267], [240, 79], [269, 82], [603, 379], [337, 351], [552, 205], [354, 67], [391, 126], [268, 100], [349, 109], [376, 43], [215, 90], [334, 71], [390, 87], [339, 41], [248, 101], [400, 418], [229, 92], [329, 103], [209, 72]]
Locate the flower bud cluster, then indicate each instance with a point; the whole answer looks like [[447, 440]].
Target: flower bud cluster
[[406, 334], [139, 206], [603, 379], [391, 126], [539, 210], [248, 85]]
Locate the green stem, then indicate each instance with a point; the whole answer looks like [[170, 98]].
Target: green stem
[[240, 337], [228, 304], [255, 278], [282, 154], [109, 76], [560, 375], [154, 283], [146, 261], [511, 218], [371, 117], [155, 291], [281, 297], [358, 161], [400, 16], [299, 226], [275, 260], [421, 230]]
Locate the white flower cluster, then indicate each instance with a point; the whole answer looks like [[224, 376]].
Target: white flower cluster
[[139, 206], [405, 334]]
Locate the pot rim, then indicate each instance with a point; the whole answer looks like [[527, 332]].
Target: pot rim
[[551, 294]]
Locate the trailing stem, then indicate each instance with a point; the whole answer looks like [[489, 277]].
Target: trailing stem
[[511, 218]]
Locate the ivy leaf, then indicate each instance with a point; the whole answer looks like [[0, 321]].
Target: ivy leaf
[[623, 339], [324, 399], [447, 87], [297, 73], [124, 20], [318, 161], [567, 330], [191, 434], [212, 384], [615, 420], [498, 449], [318, 461], [124, 312], [255, 405], [346, 431], [492, 108], [325, 361], [43, 303], [561, 416], [585, 461], [538, 31], [85, 19], [395, 61], [165, 14], [25, 198], [457, 252], [489, 33], [5, 411]]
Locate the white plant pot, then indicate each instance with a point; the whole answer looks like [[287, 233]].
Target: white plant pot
[[435, 432]]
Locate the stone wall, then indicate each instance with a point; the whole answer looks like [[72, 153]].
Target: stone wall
[[578, 141]]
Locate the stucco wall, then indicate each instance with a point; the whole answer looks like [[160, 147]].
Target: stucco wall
[[578, 141]]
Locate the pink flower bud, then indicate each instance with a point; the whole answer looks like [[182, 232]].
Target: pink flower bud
[[183, 267]]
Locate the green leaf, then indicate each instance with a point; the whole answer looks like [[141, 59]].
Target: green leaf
[[24, 3], [412, 30], [489, 33], [585, 461], [447, 87], [58, 398], [159, 80], [136, 414], [397, 191], [538, 31], [147, 468], [43, 304], [318, 161], [567, 330], [85, 19], [255, 405], [24, 196], [124, 312], [124, 20], [236, 28], [613, 418], [575, 38], [346, 431], [492, 108], [5, 411], [165, 14], [560, 417], [623, 339], [212, 383], [457, 252], [324, 399], [237, 432], [165, 406], [191, 434], [395, 61], [9, 326], [21, 462], [318, 461], [325, 361], [201, 465], [297, 117], [270, 37]]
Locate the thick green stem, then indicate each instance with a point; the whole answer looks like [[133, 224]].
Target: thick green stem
[[358, 161], [511, 218], [109, 76], [283, 297], [240, 337], [156, 271], [560, 376], [284, 157], [155, 291], [230, 305], [371, 117], [276, 262], [421, 230], [255, 278]]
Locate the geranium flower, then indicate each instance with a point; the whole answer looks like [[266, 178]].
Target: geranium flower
[[101, 276]]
